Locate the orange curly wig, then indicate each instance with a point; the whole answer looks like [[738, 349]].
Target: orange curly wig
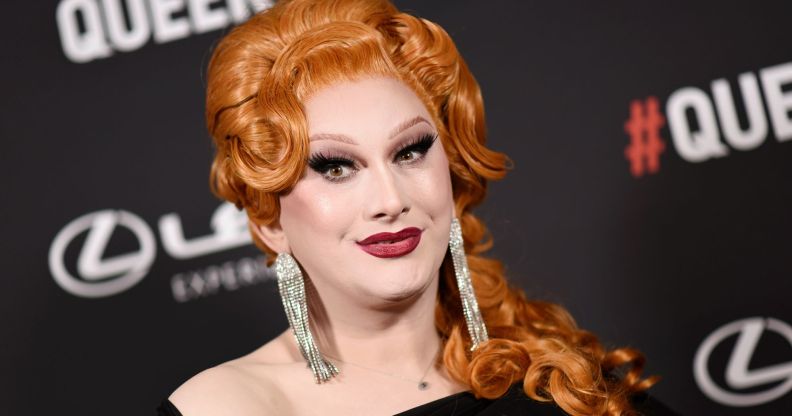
[[263, 70]]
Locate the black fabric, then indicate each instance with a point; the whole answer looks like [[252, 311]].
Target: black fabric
[[513, 403], [166, 408]]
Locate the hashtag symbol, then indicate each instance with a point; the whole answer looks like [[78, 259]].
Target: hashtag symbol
[[646, 145]]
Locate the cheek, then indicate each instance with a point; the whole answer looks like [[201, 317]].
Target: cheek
[[311, 212], [434, 185]]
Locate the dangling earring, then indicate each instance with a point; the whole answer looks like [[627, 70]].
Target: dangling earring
[[292, 291], [475, 323]]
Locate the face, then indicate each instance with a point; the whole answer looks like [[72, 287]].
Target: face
[[376, 166]]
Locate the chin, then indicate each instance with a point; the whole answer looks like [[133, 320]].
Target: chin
[[398, 290]]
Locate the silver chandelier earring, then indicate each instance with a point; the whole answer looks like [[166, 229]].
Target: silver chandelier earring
[[292, 291], [470, 308]]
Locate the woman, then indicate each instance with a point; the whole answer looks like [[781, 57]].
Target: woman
[[353, 136]]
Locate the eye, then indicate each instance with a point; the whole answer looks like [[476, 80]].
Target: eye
[[332, 168], [415, 150], [406, 156]]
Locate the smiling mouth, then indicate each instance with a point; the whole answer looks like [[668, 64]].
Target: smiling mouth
[[389, 245]]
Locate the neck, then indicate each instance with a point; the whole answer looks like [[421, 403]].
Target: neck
[[398, 334]]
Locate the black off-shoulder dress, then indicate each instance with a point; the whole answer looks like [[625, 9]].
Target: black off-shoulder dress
[[513, 403]]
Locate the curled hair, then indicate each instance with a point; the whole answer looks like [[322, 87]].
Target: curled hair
[[263, 70]]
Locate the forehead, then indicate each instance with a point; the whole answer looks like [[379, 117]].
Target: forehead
[[362, 108]]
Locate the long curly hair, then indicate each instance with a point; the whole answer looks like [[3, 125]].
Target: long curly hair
[[263, 70]]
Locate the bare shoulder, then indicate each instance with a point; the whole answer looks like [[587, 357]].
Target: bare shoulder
[[220, 390], [243, 386]]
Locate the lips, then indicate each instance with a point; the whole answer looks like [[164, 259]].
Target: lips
[[388, 245]]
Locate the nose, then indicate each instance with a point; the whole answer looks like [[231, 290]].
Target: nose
[[386, 198]]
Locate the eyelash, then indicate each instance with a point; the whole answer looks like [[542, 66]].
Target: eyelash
[[322, 163]]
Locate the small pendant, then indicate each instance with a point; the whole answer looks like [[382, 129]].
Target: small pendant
[[423, 385]]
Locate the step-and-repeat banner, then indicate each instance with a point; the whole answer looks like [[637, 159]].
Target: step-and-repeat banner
[[651, 193]]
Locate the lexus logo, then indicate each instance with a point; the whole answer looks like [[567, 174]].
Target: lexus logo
[[126, 270], [738, 375], [99, 276]]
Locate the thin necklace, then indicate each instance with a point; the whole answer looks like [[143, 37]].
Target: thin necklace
[[422, 383]]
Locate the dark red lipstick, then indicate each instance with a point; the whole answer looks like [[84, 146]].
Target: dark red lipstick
[[388, 245]]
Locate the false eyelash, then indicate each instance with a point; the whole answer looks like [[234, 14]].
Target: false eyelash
[[421, 144], [322, 163]]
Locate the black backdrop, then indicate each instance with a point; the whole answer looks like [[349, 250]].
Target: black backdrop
[[108, 303]]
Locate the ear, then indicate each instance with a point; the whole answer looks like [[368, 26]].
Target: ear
[[271, 235]]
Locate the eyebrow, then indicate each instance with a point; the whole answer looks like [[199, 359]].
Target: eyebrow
[[404, 125]]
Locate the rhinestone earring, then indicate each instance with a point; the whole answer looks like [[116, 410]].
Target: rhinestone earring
[[470, 308], [292, 291]]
